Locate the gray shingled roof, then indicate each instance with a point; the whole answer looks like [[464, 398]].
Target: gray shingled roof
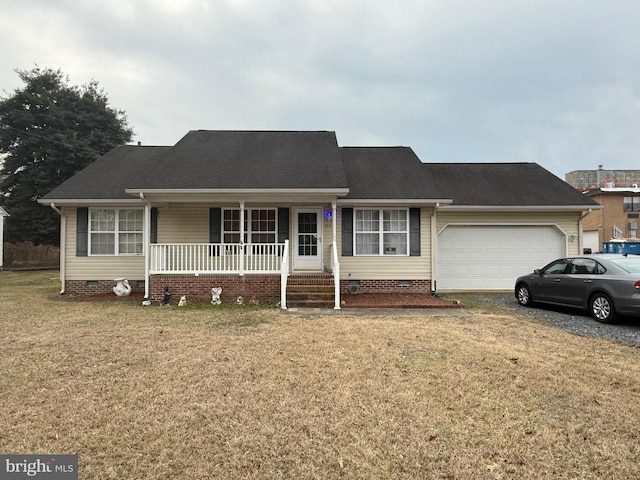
[[107, 177], [245, 159], [504, 184], [388, 173], [312, 160]]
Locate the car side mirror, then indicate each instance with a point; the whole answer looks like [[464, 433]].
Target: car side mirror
[[537, 271]]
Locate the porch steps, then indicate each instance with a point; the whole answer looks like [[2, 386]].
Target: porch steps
[[310, 291]]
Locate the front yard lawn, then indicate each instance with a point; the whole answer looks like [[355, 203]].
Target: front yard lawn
[[206, 392]]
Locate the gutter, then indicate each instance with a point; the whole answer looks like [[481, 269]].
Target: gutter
[[63, 244]]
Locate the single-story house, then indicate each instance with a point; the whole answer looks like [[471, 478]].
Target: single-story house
[[257, 212]]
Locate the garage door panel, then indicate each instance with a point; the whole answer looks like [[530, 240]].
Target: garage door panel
[[490, 257]]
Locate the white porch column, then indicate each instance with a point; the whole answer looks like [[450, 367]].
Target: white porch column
[[146, 243], [241, 238], [333, 220]]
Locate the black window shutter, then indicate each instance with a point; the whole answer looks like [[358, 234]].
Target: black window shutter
[[414, 232], [347, 232], [153, 234], [215, 225], [82, 232], [283, 224]]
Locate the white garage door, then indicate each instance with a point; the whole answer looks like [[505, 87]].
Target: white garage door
[[492, 257]]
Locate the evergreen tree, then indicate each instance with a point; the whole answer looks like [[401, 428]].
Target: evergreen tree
[[49, 130]]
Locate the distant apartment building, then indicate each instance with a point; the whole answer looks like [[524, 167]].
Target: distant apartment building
[[619, 194], [590, 179]]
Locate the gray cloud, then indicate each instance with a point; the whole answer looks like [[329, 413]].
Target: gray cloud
[[539, 81]]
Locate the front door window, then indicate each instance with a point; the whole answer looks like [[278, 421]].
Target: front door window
[[308, 238], [307, 234]]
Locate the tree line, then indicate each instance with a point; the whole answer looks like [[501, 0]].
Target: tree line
[[49, 130]]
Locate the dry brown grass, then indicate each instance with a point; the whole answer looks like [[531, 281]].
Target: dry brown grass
[[244, 392]]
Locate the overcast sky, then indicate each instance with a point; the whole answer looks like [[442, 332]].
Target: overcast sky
[[556, 82]]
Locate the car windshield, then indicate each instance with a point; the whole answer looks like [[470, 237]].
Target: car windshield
[[628, 264]]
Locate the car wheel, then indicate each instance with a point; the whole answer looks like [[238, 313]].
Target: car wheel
[[523, 295], [602, 309]]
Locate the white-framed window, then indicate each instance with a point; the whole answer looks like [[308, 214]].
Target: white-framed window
[[381, 231], [260, 225], [114, 231]]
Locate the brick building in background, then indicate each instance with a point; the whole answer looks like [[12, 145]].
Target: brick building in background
[[619, 193]]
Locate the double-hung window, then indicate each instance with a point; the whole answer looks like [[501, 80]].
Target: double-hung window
[[631, 204], [115, 231], [259, 225], [381, 231]]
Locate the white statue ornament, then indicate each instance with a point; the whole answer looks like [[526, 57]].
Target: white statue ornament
[[215, 295], [122, 288]]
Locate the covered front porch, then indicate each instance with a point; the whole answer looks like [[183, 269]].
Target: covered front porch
[[257, 265], [254, 235]]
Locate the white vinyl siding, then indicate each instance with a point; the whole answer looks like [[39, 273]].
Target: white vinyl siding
[[389, 267], [105, 267], [183, 224]]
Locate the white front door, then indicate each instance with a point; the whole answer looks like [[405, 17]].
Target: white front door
[[307, 246]]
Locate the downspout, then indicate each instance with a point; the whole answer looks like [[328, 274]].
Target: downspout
[[63, 247], [146, 234], [434, 248], [334, 253]]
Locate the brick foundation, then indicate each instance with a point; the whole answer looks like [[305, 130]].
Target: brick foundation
[[385, 286], [260, 287], [96, 287]]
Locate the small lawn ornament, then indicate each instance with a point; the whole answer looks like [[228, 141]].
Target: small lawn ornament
[[166, 297], [215, 295], [183, 301], [122, 288], [240, 300]]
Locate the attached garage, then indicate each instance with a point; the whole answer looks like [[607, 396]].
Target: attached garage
[[491, 257]]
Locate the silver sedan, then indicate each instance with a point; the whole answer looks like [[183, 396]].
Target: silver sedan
[[607, 285]]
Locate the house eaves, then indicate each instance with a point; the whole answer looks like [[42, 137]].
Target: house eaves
[[90, 201], [520, 208], [234, 195], [395, 201]]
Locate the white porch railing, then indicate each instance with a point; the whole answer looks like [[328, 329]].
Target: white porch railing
[[179, 258]]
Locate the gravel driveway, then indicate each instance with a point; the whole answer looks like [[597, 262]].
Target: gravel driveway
[[576, 321]]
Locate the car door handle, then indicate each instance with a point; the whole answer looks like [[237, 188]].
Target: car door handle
[[556, 280], [587, 281]]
